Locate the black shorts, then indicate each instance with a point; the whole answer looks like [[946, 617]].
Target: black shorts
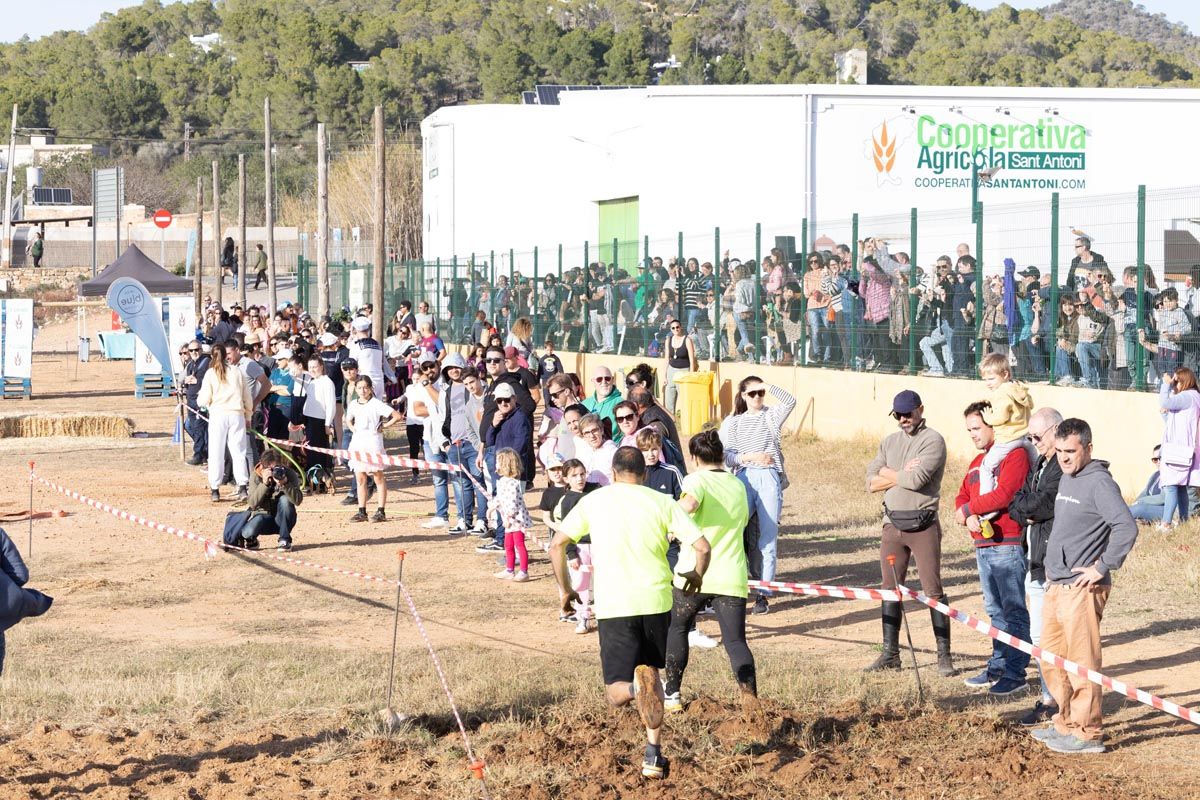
[[629, 642]]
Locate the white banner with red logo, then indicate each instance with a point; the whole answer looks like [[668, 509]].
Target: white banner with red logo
[[16, 339]]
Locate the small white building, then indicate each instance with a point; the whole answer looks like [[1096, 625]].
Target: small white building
[[662, 161]]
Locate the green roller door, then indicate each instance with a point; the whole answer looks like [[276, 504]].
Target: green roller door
[[619, 220]]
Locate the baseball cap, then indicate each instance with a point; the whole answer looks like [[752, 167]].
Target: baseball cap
[[510, 352], [350, 363], [283, 354], [503, 390], [361, 324], [425, 357], [1030, 272], [906, 402], [552, 461], [327, 339]]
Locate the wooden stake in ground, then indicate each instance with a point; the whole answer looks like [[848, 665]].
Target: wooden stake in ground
[[198, 266], [322, 223], [216, 231], [268, 173], [243, 255], [908, 633], [389, 716], [380, 227], [29, 551]]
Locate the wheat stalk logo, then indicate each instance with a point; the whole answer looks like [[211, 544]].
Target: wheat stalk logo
[[884, 151]]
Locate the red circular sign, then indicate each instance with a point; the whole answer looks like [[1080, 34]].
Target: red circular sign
[[162, 218]]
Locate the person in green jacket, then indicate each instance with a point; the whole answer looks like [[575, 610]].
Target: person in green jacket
[[603, 401]]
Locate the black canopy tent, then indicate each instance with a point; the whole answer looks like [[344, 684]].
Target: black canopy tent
[[135, 264]]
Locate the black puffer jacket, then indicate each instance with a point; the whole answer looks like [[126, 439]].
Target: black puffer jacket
[[1033, 508]]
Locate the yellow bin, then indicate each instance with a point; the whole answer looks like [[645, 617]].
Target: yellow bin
[[697, 396]]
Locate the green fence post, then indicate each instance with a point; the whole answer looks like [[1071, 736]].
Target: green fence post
[[512, 286], [437, 298], [1052, 309], [716, 348], [679, 279], [533, 297], [800, 359], [613, 296], [585, 335], [850, 313], [1140, 377], [473, 298], [492, 287], [456, 325], [301, 283], [758, 275], [978, 283], [913, 281]]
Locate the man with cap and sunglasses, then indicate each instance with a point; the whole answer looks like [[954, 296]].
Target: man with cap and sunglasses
[[518, 402], [369, 355], [908, 470]]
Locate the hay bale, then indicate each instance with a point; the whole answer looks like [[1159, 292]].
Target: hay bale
[[32, 426]]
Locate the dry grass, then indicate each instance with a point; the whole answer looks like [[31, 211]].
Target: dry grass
[[27, 426]]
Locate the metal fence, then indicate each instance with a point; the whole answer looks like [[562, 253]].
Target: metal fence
[[863, 293]]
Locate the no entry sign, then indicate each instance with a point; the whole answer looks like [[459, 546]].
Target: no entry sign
[[162, 218]]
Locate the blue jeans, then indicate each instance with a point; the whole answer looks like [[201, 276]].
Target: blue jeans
[[767, 485], [818, 333], [1148, 512], [197, 428], [1174, 498], [694, 316], [1088, 354], [1002, 577], [282, 523], [472, 504], [489, 461], [441, 494], [938, 338], [1034, 592], [960, 350]]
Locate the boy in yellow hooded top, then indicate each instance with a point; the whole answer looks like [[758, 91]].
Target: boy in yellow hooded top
[[1008, 417]]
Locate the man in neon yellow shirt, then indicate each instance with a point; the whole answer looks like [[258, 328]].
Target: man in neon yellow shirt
[[629, 525], [717, 502]]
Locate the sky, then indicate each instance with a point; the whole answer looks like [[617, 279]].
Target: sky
[[46, 16]]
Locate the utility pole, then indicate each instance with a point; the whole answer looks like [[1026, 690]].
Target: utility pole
[[270, 206], [380, 232], [6, 245], [243, 268], [187, 141], [322, 222], [216, 231], [198, 271]]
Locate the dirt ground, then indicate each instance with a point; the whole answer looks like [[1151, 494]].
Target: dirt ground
[[160, 673]]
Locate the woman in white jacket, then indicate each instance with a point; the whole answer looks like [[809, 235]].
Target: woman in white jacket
[[225, 395]]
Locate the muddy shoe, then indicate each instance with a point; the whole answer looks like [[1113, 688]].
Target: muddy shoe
[[360, 516], [655, 766], [645, 694], [379, 516]]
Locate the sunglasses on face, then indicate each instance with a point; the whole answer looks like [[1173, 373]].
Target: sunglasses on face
[[503, 401], [197, 350], [559, 392], [604, 379], [591, 432], [626, 417], [756, 393], [494, 360]]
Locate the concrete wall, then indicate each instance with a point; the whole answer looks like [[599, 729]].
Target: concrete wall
[[836, 405]]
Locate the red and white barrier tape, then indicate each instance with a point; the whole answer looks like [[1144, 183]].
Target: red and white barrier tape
[[817, 590], [211, 546], [1113, 684]]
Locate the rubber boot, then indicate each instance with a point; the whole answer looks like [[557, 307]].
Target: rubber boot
[[890, 657], [941, 633]]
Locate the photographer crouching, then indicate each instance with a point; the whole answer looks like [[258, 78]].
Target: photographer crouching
[[274, 495]]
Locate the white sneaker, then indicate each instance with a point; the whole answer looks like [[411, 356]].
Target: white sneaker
[[520, 576], [672, 703], [480, 528], [582, 627], [698, 639], [504, 575], [436, 522], [459, 526]]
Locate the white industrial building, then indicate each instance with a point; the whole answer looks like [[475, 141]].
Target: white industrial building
[[662, 161]]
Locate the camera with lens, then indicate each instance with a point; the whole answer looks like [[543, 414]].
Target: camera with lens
[[279, 474]]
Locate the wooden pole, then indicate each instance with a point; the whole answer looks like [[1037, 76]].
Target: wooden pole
[[380, 228], [270, 205], [216, 231], [322, 222], [243, 254], [198, 266]]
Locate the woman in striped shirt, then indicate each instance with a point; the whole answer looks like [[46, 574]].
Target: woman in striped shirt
[[752, 438]]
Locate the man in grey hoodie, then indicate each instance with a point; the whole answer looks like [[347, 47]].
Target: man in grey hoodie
[[1093, 533]]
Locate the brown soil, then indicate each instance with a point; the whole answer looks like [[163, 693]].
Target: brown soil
[[160, 674]]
